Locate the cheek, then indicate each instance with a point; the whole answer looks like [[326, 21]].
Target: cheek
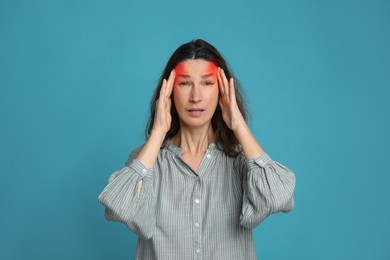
[[177, 96], [174, 96], [213, 97], [215, 93]]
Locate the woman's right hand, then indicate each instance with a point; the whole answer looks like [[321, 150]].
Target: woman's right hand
[[162, 117], [161, 125]]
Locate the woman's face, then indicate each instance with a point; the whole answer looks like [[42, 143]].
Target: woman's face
[[195, 92]]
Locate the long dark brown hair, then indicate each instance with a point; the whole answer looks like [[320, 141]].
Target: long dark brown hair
[[200, 49]]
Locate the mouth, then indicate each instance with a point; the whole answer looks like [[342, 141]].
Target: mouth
[[195, 112]]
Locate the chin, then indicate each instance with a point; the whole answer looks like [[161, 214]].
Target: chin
[[195, 123]]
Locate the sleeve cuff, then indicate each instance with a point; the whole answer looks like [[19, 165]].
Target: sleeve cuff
[[140, 168], [261, 161]]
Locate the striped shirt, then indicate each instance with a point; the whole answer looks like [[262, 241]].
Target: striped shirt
[[208, 214]]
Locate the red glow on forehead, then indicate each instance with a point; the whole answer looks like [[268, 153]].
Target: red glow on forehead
[[183, 68], [212, 67], [180, 68]]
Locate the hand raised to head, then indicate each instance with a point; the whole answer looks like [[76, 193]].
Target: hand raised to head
[[227, 101], [163, 118]]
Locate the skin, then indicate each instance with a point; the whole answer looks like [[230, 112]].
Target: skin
[[196, 84], [195, 87]]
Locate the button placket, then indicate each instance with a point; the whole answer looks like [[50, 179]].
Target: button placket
[[197, 220]]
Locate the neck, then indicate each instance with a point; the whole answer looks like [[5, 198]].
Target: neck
[[194, 141]]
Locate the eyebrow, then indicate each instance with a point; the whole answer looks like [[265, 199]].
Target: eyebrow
[[203, 76], [208, 75], [183, 75]]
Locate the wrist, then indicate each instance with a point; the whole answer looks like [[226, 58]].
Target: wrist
[[158, 133], [239, 127]]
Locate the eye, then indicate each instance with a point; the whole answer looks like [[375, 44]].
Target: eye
[[209, 83], [184, 83]]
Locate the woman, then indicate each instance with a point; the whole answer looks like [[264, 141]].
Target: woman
[[201, 181]]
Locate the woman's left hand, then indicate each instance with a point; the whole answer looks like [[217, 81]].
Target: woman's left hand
[[227, 101]]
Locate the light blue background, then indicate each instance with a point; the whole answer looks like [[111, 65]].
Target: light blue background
[[76, 78]]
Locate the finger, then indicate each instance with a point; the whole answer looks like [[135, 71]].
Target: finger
[[163, 87], [221, 104], [169, 103], [220, 82], [158, 105], [232, 90], [225, 85], [170, 82]]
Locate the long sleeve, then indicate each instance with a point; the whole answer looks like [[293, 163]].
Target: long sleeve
[[268, 187], [122, 204]]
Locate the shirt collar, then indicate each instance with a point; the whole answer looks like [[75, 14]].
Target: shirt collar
[[178, 150]]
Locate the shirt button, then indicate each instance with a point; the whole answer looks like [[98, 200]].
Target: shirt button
[[261, 161], [144, 171], [197, 201], [196, 224], [197, 250], [208, 156]]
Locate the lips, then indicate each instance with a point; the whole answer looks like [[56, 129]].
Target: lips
[[195, 112]]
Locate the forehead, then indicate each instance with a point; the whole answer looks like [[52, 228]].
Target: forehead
[[195, 67]]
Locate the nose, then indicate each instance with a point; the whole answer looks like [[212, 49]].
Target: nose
[[195, 96]]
